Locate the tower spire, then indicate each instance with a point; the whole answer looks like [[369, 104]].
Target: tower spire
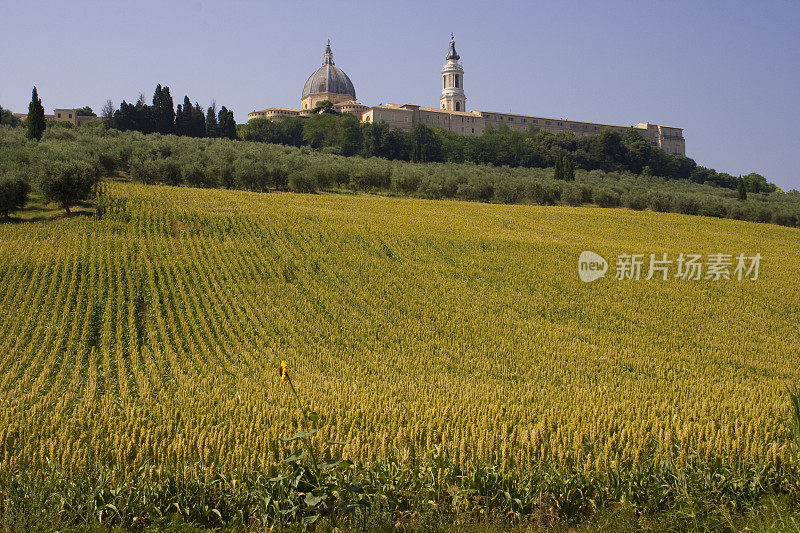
[[452, 54], [453, 97], [328, 57]]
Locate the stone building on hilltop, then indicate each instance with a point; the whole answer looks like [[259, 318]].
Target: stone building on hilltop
[[330, 83]]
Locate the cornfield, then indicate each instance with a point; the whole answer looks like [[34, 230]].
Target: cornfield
[[149, 336]]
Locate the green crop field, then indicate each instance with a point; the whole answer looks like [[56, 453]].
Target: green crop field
[[146, 339]]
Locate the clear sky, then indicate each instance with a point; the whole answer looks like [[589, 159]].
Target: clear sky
[[727, 72]]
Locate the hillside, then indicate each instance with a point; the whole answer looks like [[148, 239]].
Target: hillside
[[265, 167], [148, 338]]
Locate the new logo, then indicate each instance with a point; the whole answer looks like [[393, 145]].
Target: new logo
[[591, 266]]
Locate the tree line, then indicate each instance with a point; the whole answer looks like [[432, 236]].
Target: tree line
[[449, 169], [609, 151], [162, 117], [68, 161]]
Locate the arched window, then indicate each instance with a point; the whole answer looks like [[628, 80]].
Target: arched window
[[458, 106], [444, 82], [457, 80]]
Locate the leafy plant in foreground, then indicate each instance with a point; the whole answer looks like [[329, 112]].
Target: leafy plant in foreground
[[317, 488]]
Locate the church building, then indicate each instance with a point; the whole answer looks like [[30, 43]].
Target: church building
[[330, 83]]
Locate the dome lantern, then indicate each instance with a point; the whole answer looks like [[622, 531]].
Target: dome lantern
[[452, 54]]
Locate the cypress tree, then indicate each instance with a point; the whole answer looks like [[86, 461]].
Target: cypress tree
[[36, 123], [125, 117], [144, 116], [198, 121], [741, 189], [227, 124], [569, 169], [179, 120], [559, 170], [212, 126], [162, 111], [183, 122]]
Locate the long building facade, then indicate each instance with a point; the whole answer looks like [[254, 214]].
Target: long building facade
[[330, 83]]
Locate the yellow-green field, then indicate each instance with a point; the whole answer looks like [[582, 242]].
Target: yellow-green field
[[151, 337]]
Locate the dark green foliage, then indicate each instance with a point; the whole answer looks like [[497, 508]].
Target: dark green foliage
[[542, 193], [331, 175], [606, 197], [686, 205], [212, 124], [67, 182], [660, 202], [188, 120], [133, 117], [786, 217], [288, 132], [266, 167], [183, 118], [425, 145], [740, 189], [227, 124], [636, 200], [302, 182], [325, 106], [572, 195], [509, 191], [711, 207], [13, 194], [35, 120], [609, 151], [258, 175], [125, 117], [7, 118], [193, 174], [321, 130], [757, 183], [371, 177], [349, 139], [163, 111], [198, 128], [143, 116], [85, 111], [569, 169], [251, 175], [558, 168], [477, 188], [381, 141], [564, 169]]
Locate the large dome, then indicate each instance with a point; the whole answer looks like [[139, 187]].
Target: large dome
[[329, 79]]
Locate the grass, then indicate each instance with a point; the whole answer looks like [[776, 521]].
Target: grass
[[37, 210]]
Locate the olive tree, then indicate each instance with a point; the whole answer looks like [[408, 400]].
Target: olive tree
[[67, 182], [13, 194]]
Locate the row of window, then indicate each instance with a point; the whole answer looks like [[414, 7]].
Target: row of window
[[585, 127], [454, 79]]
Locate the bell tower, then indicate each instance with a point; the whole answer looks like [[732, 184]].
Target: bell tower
[[453, 98]]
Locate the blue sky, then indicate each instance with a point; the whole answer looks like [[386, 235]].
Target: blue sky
[[726, 72]]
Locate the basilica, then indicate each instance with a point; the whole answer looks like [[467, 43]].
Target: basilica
[[330, 83]]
